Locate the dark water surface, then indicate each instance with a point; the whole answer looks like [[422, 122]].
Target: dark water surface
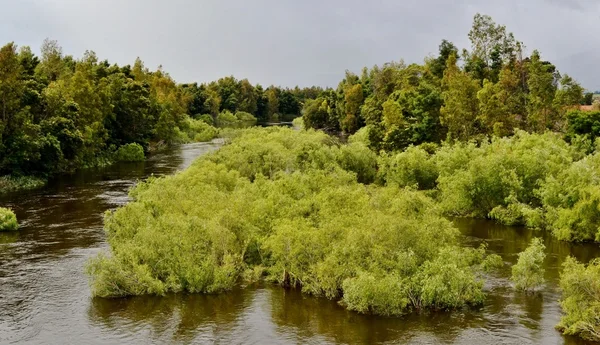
[[45, 298]]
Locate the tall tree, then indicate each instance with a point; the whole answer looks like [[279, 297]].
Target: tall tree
[[461, 106], [542, 88]]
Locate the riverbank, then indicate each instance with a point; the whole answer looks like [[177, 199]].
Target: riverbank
[[10, 184]]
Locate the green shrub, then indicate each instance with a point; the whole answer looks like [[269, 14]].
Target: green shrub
[[583, 123], [227, 119], [280, 204], [411, 168], [207, 118], [8, 220], [298, 123], [132, 152], [197, 131], [496, 179], [361, 136], [528, 272], [571, 201], [245, 117], [358, 158], [580, 302]]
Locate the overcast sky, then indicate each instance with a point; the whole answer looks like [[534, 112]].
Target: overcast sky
[[297, 42]]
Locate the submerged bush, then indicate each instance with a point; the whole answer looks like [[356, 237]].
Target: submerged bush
[[132, 152], [571, 201], [580, 301], [197, 130], [287, 206], [8, 220], [500, 179], [227, 119], [245, 117], [528, 272]]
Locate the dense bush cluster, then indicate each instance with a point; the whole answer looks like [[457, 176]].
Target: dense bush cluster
[[8, 220], [132, 152], [287, 206], [580, 301]]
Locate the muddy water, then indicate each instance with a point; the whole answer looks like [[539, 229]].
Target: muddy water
[[45, 299]]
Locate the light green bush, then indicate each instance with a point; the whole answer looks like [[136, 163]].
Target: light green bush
[[279, 204], [358, 158], [207, 118], [298, 123], [580, 300], [361, 136], [528, 272], [502, 176], [196, 130], [8, 220], [245, 117], [571, 201], [132, 152], [411, 168], [227, 119]]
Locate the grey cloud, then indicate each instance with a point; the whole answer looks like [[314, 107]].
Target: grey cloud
[[290, 42], [580, 5]]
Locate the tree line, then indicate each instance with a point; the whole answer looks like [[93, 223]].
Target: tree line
[[58, 113], [492, 89]]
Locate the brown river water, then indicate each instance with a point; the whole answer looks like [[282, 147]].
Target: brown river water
[[45, 298]]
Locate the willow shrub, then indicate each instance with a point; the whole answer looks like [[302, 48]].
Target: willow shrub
[[279, 204], [501, 178], [132, 152], [528, 272], [414, 167], [8, 220], [197, 130], [580, 300], [572, 199]]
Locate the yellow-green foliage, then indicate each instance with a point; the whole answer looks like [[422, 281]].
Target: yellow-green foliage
[[8, 220], [571, 200], [581, 299], [500, 178], [278, 202], [132, 152], [528, 272], [241, 119], [197, 131], [245, 117], [298, 123], [361, 136], [411, 168]]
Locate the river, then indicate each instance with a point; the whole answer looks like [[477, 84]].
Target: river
[[45, 298]]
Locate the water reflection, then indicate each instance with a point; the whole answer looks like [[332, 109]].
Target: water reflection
[[174, 318]]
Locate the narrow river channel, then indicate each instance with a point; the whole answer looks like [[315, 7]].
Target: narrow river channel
[[45, 298]]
